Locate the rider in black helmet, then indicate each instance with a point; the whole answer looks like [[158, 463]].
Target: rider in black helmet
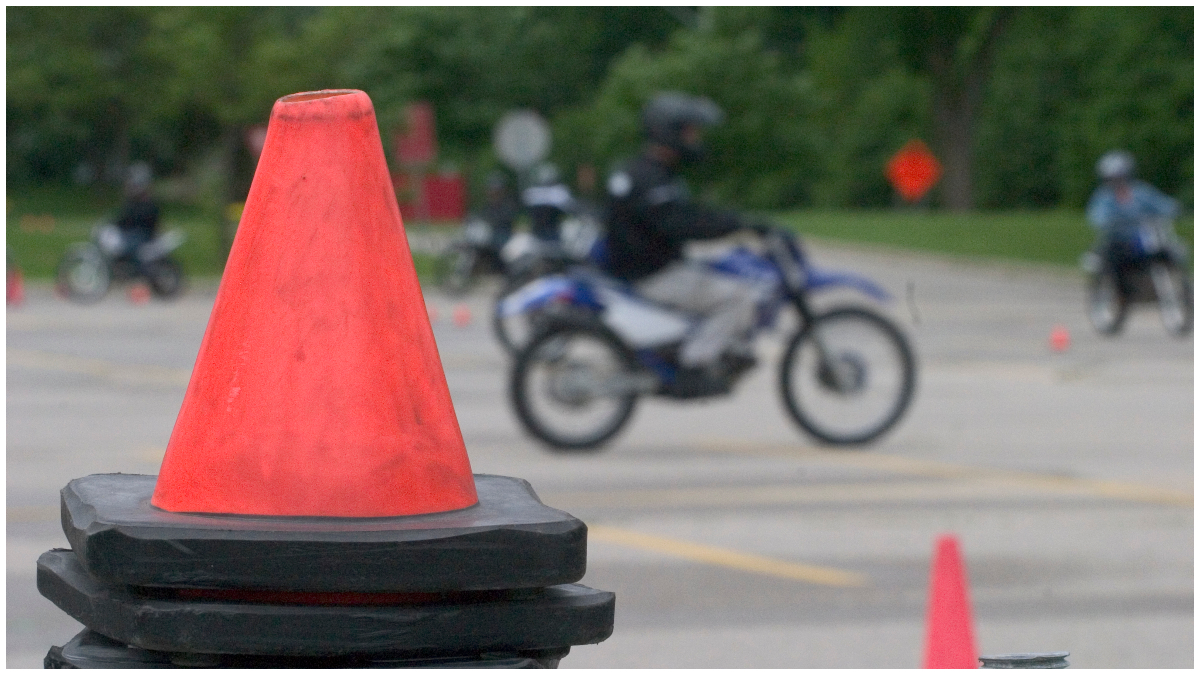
[[650, 215], [138, 220], [500, 208]]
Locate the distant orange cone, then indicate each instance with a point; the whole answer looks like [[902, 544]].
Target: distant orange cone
[[318, 390], [139, 294], [950, 636], [433, 313], [1060, 338], [16, 287], [462, 316]]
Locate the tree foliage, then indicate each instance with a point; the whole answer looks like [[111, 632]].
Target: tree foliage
[[1018, 102]]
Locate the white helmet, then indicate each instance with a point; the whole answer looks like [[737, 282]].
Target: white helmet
[[1115, 164]]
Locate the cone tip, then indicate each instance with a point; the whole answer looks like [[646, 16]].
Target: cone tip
[[323, 104]]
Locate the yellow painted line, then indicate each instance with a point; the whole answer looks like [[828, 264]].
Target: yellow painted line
[[790, 495], [32, 514], [825, 576], [108, 370], [1068, 485]]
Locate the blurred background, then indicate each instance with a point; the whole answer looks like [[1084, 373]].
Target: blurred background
[[1017, 104], [732, 540]]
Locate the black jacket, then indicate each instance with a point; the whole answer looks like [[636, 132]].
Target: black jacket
[[139, 216], [649, 215]]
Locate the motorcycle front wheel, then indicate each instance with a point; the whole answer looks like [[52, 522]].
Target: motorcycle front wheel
[[1107, 306], [83, 276], [165, 277], [457, 269], [847, 377], [1174, 298], [570, 387]]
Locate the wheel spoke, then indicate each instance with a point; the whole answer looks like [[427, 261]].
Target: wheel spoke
[[572, 388], [848, 378]]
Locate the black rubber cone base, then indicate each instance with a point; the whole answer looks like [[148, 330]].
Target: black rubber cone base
[[90, 649], [508, 540], [542, 618]]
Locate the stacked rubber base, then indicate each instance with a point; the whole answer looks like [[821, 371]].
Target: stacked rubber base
[[487, 586]]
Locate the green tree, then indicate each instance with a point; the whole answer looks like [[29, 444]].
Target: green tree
[[1133, 87], [762, 155], [954, 47], [867, 105], [78, 89]]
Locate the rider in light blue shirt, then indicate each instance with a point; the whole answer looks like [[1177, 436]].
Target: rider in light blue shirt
[[1117, 210], [1122, 202]]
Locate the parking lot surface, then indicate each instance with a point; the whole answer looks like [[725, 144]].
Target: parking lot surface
[[730, 539]]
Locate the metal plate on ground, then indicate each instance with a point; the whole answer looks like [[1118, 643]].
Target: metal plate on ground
[[508, 540]]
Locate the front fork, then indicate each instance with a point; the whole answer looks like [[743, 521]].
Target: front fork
[[829, 371]]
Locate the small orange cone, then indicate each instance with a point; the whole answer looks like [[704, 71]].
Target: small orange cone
[[433, 313], [462, 316], [949, 637], [318, 390], [16, 287], [139, 294], [1060, 338]]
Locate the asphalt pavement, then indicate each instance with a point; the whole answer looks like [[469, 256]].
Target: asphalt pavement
[[730, 538]]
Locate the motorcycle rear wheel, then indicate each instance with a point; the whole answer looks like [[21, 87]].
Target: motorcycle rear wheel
[[558, 387], [1174, 298], [83, 276], [165, 277], [1107, 305], [847, 377]]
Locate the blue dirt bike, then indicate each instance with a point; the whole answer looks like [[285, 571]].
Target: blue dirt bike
[[1148, 267], [847, 374]]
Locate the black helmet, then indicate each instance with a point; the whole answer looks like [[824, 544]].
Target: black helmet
[[665, 116], [1115, 164]]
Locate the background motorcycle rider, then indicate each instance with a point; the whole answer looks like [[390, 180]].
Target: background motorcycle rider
[[138, 221], [500, 208], [650, 215], [1120, 205], [547, 201]]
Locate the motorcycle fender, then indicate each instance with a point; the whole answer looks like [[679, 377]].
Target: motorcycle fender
[[823, 280], [535, 294]]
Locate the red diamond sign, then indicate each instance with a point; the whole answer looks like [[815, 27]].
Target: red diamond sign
[[913, 170]]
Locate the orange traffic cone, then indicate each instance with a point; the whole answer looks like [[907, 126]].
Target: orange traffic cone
[[16, 287], [1060, 338], [949, 637], [462, 316], [139, 294], [433, 314], [318, 390]]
